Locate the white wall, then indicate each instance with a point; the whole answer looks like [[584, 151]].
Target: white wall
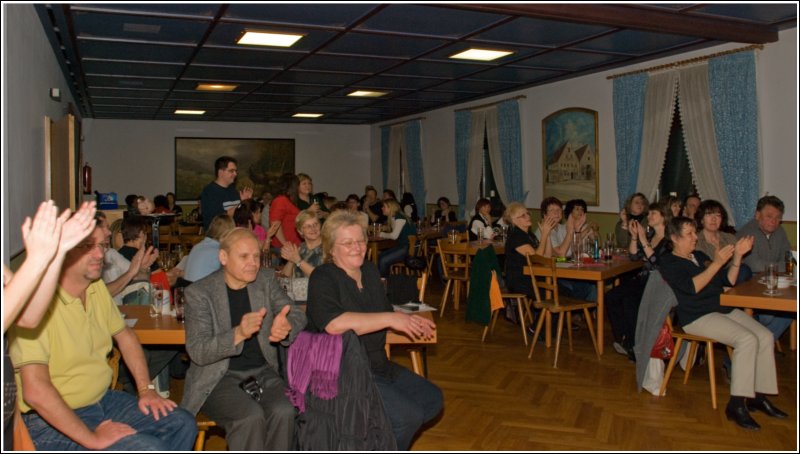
[[30, 69], [777, 91], [138, 157]]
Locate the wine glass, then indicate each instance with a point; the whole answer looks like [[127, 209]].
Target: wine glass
[[156, 291]]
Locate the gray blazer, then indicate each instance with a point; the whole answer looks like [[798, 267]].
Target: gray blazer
[[209, 334], [658, 300]]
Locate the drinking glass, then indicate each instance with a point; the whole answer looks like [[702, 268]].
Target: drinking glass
[[180, 304], [771, 279], [480, 235], [789, 261], [577, 246], [156, 291]]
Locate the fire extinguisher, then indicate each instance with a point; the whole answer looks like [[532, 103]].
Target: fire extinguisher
[[87, 179]]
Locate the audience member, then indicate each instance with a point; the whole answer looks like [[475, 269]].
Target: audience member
[[234, 320], [346, 294], [173, 207], [353, 206], [283, 211], [521, 243], [690, 204], [64, 375], [220, 196], [635, 209], [445, 213], [204, 257], [301, 261], [372, 206], [409, 207], [482, 221], [399, 230]]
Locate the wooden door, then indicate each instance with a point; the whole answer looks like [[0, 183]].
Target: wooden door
[[61, 169]]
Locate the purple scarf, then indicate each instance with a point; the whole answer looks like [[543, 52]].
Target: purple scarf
[[313, 359]]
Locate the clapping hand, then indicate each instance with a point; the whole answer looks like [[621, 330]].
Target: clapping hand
[[77, 227], [743, 245], [42, 234], [280, 325], [251, 323]]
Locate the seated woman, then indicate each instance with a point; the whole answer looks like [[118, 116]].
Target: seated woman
[[635, 209], [482, 220], [698, 282], [399, 229], [409, 207], [204, 257], [445, 213], [345, 293], [575, 210], [301, 261], [173, 207], [521, 242], [671, 205], [712, 219], [622, 302]]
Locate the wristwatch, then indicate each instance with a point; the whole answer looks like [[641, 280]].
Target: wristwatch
[[147, 388]]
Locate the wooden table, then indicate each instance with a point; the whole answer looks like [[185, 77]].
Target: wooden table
[[376, 244], [161, 330], [474, 247], [417, 364], [598, 272], [750, 295]]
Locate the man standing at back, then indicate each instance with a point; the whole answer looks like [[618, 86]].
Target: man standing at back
[[64, 375], [220, 196]]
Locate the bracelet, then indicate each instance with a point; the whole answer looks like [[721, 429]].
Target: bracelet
[[736, 264], [298, 263]]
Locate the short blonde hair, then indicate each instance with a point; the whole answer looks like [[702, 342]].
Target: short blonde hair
[[330, 229], [301, 219], [512, 210], [219, 226], [233, 235]]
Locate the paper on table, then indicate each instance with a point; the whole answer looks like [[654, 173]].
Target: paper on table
[[131, 322], [412, 307]]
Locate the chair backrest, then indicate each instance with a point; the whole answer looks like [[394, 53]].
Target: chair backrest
[[543, 276], [412, 245], [454, 256], [113, 362]]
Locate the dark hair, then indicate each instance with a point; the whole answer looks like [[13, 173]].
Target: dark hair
[[288, 185], [571, 204], [243, 214], [666, 213], [161, 201], [132, 226], [340, 206], [675, 226], [222, 163], [353, 197], [443, 199], [481, 203], [408, 200], [707, 207], [130, 200], [689, 196], [547, 202], [629, 202], [770, 200], [370, 187], [390, 193]]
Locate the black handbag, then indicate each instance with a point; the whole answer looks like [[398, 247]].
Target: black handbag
[[416, 262]]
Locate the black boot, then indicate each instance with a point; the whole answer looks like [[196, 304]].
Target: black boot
[[736, 411], [760, 403]]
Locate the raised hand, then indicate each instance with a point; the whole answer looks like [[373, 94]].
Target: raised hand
[[623, 216], [42, 234], [290, 252], [280, 325], [725, 253], [251, 323], [635, 229], [743, 245], [77, 227]]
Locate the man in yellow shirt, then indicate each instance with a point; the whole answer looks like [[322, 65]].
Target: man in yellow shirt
[[64, 377]]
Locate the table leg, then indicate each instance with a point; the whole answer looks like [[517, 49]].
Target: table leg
[[374, 251], [600, 315]]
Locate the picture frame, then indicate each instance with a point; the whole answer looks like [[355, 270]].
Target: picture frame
[[261, 162], [570, 155]]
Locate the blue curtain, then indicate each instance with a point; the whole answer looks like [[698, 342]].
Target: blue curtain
[[732, 84], [414, 164], [385, 154], [629, 95], [508, 130], [463, 119]]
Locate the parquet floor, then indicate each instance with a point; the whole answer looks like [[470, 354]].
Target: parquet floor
[[496, 399]]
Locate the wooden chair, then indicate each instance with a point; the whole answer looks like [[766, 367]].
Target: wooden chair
[[401, 268], [113, 362], [22, 440], [523, 311], [681, 336], [545, 267], [419, 362], [455, 266], [203, 424], [168, 236]]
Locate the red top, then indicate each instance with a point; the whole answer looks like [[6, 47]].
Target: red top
[[282, 209]]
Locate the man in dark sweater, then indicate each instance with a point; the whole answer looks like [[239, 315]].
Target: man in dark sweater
[[220, 196]]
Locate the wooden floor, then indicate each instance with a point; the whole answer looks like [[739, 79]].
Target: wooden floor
[[496, 399]]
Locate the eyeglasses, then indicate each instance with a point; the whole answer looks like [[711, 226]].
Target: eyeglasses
[[311, 226], [350, 244], [522, 215], [90, 246]]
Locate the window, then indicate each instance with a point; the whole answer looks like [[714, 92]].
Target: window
[[676, 176]]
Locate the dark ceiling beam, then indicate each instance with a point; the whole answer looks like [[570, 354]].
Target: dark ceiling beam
[[638, 17]]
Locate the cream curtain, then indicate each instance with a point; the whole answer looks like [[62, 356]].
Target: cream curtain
[[658, 107], [495, 154], [694, 101]]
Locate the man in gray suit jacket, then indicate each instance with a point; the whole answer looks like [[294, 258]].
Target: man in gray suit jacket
[[233, 318]]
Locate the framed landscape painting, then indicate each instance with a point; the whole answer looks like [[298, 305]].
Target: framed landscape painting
[[570, 154], [261, 163]]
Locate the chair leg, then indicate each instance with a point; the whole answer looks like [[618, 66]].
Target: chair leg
[[200, 441], [558, 337], [712, 375], [536, 333], [444, 297], [491, 323], [522, 324], [690, 361], [590, 325], [569, 330], [671, 366]]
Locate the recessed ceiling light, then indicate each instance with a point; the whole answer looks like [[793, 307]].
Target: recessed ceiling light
[[368, 94], [269, 39], [307, 115], [189, 112], [216, 87], [481, 54]]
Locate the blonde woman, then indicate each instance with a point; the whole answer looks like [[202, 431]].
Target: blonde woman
[[301, 261], [521, 243], [400, 227]]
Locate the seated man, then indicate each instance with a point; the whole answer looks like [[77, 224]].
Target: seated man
[[769, 246], [233, 317], [64, 376]]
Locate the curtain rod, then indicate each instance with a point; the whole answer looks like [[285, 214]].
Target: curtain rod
[[490, 104], [688, 61], [404, 121]]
